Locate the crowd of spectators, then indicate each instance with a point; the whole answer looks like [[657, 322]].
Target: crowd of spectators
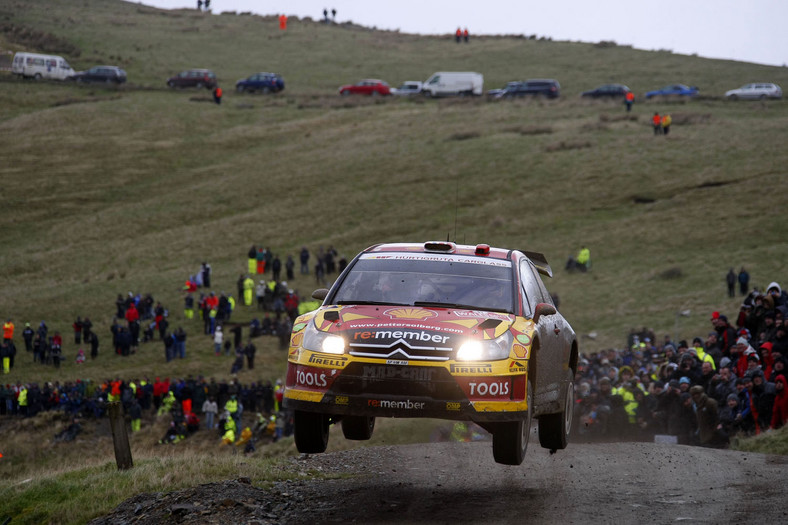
[[731, 382]]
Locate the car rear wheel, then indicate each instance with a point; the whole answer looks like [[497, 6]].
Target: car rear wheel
[[554, 429], [311, 432], [266, 90], [510, 439], [358, 428]]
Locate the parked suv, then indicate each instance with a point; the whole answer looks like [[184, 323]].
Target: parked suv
[[262, 82], [537, 87], [199, 78], [106, 74]]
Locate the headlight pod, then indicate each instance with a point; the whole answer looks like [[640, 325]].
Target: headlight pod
[[318, 341], [478, 350]]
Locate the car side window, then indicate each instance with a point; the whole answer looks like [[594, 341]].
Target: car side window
[[435, 80], [528, 288]]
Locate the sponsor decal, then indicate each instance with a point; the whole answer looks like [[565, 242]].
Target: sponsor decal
[[402, 405], [328, 360], [480, 368], [414, 326], [311, 379], [435, 257], [517, 366], [297, 339], [487, 389], [520, 351], [524, 339], [453, 406], [492, 389], [405, 335], [341, 400], [299, 326], [396, 362], [477, 314], [410, 313], [416, 373]]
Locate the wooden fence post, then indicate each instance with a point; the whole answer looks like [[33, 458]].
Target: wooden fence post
[[119, 436]]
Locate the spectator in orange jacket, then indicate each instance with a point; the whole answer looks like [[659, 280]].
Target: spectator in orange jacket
[[657, 121]]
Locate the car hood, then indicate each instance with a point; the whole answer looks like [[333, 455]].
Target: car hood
[[411, 322]]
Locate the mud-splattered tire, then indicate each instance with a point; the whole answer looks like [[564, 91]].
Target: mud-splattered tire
[[358, 428], [510, 439], [554, 429], [311, 432]]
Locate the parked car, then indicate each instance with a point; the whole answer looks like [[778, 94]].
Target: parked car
[[452, 83], [262, 82], [105, 74], [760, 91], [435, 330], [198, 78], [408, 88], [674, 90], [543, 87], [607, 91], [34, 65], [510, 87], [369, 86]]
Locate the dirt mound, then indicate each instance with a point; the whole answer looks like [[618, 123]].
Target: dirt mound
[[38, 40], [232, 501]]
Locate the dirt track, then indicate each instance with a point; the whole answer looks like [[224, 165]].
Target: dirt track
[[459, 482]]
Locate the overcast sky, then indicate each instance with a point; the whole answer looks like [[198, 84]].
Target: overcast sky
[[746, 30]]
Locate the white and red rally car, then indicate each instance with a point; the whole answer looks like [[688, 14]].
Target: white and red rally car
[[435, 330]]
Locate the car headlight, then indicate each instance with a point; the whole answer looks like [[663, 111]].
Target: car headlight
[[477, 350], [318, 341]]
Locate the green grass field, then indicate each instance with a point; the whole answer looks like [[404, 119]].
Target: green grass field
[[106, 191]]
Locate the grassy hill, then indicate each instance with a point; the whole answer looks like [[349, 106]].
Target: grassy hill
[[106, 191]]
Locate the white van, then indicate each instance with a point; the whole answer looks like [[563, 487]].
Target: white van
[[33, 65], [448, 83]]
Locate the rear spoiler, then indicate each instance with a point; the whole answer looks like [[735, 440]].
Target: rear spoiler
[[540, 262]]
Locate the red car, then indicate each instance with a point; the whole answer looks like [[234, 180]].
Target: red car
[[369, 86]]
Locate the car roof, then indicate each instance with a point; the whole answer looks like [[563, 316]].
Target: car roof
[[452, 248]]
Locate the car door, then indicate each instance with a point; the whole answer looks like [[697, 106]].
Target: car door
[[548, 370]]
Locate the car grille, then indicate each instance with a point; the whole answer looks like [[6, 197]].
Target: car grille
[[401, 349], [415, 381]]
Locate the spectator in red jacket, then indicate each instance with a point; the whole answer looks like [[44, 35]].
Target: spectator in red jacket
[[780, 409]]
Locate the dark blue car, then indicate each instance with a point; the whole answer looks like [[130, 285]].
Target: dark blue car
[[261, 82], [674, 90]]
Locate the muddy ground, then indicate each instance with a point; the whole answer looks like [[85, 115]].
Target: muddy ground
[[459, 482]]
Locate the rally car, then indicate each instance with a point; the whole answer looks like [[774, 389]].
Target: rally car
[[435, 330]]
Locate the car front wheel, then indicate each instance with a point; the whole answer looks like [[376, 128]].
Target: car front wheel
[[358, 428], [510, 439], [311, 432], [554, 429], [171, 84], [199, 85]]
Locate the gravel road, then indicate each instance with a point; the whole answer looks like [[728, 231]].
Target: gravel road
[[459, 482]]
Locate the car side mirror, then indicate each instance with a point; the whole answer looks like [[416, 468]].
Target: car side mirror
[[543, 309], [320, 294]]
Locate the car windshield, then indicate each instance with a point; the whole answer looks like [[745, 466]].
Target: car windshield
[[453, 281]]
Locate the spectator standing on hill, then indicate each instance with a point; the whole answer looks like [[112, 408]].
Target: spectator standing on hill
[[27, 335], [629, 99], [666, 122], [656, 120], [77, 326], [206, 274], [94, 345], [250, 350], [276, 269], [290, 268], [304, 258], [209, 410], [251, 260], [744, 281], [217, 95], [218, 338], [8, 330], [87, 327], [731, 280], [458, 35], [466, 35]]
